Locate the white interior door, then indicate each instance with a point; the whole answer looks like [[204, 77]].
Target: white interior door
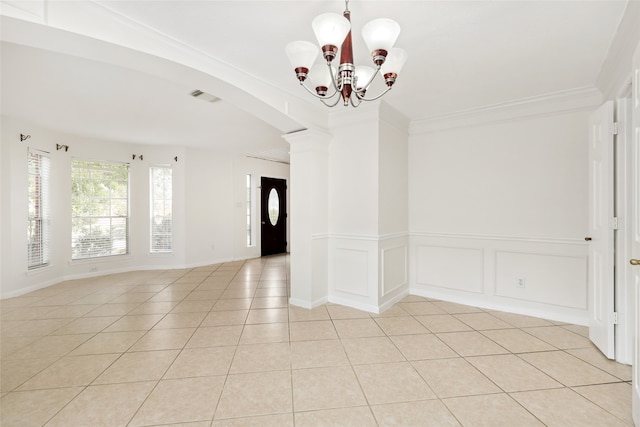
[[635, 231], [601, 241]]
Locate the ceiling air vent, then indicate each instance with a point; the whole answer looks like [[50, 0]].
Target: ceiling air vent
[[204, 96]]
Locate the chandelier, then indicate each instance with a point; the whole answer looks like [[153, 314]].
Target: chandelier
[[349, 83]]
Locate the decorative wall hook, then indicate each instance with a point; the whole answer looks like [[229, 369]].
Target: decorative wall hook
[[60, 147], [24, 137], [175, 158], [138, 156]]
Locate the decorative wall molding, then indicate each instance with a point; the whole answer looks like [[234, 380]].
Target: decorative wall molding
[[579, 99], [543, 277], [369, 238], [526, 239]]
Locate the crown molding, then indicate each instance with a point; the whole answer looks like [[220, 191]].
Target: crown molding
[[565, 101], [615, 74], [308, 141], [374, 112], [34, 11]]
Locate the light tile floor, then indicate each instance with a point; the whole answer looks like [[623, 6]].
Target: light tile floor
[[220, 346]]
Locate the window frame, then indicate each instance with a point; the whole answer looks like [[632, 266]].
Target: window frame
[[38, 209], [96, 244], [250, 211], [168, 248]]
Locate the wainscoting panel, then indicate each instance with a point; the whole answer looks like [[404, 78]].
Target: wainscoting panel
[[534, 276], [545, 278], [394, 269], [351, 271], [451, 267]]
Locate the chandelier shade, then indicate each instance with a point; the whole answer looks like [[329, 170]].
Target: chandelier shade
[[302, 56], [380, 34], [330, 29], [349, 83], [396, 59], [364, 75], [321, 78], [392, 66]]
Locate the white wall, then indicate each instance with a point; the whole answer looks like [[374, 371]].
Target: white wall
[[392, 174], [208, 202], [353, 172], [492, 203]]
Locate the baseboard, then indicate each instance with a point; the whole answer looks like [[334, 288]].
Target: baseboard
[[558, 314], [308, 304]]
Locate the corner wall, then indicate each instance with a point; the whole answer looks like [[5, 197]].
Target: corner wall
[[498, 214]]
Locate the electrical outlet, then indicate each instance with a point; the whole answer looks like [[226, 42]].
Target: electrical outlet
[[520, 282], [93, 269]]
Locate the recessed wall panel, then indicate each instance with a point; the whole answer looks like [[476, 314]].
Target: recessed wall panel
[[545, 278], [351, 271], [394, 269], [451, 267]]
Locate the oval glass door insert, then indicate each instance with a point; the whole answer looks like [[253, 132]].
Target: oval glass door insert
[[274, 206]]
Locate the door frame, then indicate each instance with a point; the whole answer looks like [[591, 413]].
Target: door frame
[[284, 211], [624, 330], [633, 232]]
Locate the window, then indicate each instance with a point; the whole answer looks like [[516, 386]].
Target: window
[[161, 192], [38, 224], [274, 206], [99, 209], [249, 207]]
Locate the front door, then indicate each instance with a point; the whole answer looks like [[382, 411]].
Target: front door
[[601, 238], [274, 216]]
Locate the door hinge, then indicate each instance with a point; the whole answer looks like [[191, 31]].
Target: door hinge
[[614, 128], [614, 317], [614, 223]]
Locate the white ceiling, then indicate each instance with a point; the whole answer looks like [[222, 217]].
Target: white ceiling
[[462, 55]]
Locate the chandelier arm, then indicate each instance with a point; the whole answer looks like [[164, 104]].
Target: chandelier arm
[[331, 105], [353, 104], [371, 79], [316, 95], [337, 86], [362, 98]]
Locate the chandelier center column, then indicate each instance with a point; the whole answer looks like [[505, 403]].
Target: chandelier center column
[[346, 64]]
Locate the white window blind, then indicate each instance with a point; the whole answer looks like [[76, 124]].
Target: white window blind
[[38, 221], [100, 209], [161, 190]]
